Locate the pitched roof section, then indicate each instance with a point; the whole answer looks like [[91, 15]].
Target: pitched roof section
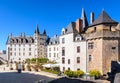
[[103, 18], [70, 28], [84, 18], [54, 40], [37, 29]]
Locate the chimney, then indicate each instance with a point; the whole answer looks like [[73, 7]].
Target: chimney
[[78, 25], [91, 17]]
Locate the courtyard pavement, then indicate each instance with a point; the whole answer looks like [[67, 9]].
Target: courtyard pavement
[[24, 77], [11, 76]]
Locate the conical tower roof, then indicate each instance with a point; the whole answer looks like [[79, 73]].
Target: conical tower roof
[[84, 18], [37, 30], [103, 18]]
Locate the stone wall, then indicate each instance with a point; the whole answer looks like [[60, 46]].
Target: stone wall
[[96, 53], [109, 53]]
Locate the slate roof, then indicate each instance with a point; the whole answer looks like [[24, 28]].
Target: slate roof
[[70, 28], [84, 19], [37, 29], [54, 40], [103, 18], [20, 40]]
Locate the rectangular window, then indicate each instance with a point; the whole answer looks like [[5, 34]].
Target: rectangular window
[[63, 40], [68, 68], [63, 51], [29, 49], [78, 59], [63, 68], [90, 58], [68, 61], [54, 55], [113, 48], [23, 54], [63, 60], [49, 54], [90, 45], [29, 53], [78, 49], [54, 49]]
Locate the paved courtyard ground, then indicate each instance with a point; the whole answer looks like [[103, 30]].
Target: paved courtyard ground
[[8, 76], [14, 77]]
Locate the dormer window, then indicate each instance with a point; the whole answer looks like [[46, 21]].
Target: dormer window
[[63, 31]]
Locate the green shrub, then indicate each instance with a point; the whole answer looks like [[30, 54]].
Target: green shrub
[[69, 73], [94, 72], [23, 67], [28, 67], [16, 64], [27, 61], [11, 68], [1, 62], [33, 60], [80, 72]]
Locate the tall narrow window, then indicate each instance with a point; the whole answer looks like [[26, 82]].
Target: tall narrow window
[[78, 49], [94, 29], [63, 60], [63, 68], [90, 58], [54, 55], [78, 59], [63, 40], [63, 51], [68, 61], [49, 54]]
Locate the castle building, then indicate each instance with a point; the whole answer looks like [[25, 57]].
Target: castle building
[[53, 49], [103, 43], [22, 47], [73, 46]]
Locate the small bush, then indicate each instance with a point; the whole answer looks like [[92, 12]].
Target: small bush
[[80, 72], [27, 61], [70, 73], [28, 67], [11, 68], [23, 67], [16, 64], [95, 73]]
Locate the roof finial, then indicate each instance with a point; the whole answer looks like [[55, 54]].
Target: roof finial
[[37, 30]]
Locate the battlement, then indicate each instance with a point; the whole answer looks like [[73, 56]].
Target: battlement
[[102, 34]]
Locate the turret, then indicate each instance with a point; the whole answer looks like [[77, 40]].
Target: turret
[[84, 19], [37, 30]]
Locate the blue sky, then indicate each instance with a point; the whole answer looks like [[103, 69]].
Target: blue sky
[[18, 16]]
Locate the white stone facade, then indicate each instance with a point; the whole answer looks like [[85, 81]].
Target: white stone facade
[[20, 48], [53, 49], [70, 45]]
